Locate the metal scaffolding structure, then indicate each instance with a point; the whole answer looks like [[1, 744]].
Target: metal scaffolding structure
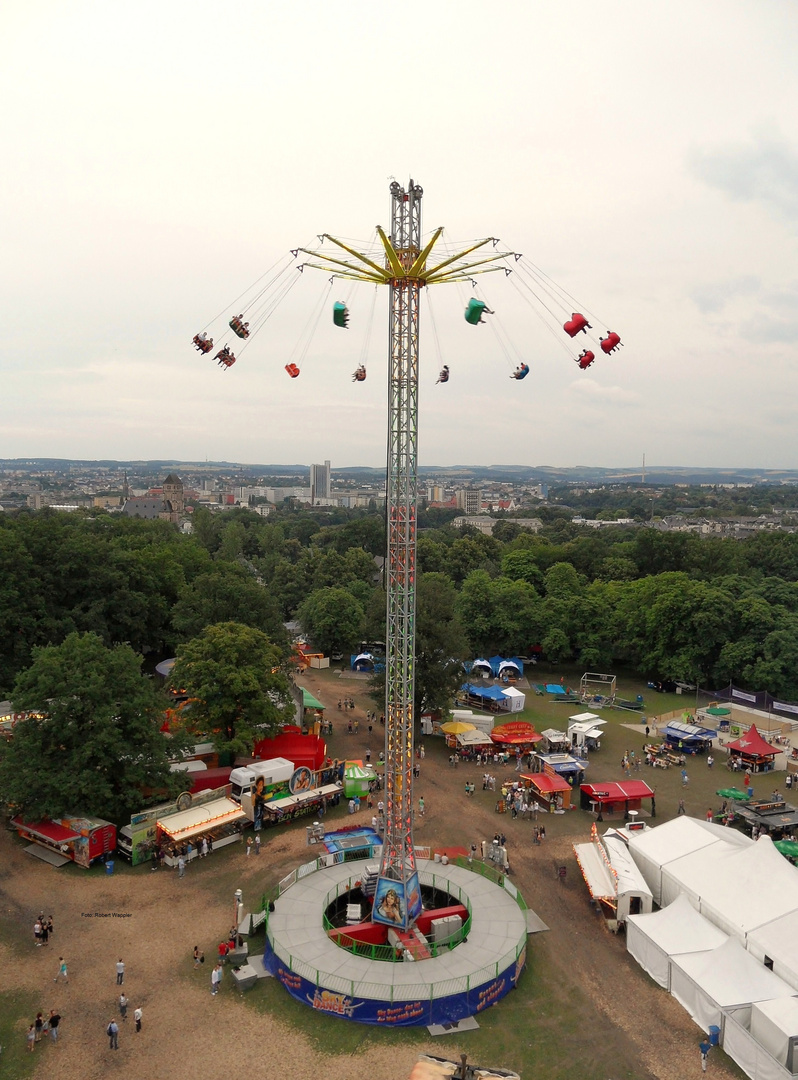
[[405, 269]]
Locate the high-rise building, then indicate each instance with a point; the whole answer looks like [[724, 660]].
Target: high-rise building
[[319, 482], [470, 500]]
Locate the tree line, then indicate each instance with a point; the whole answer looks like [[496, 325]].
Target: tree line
[[669, 605]]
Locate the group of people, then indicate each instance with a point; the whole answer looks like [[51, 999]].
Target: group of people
[[182, 853], [43, 930], [42, 1026]]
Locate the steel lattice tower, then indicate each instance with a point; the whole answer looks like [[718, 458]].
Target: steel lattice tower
[[398, 857], [406, 271]]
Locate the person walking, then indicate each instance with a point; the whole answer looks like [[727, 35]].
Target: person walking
[[54, 1021], [62, 970], [249, 846], [31, 1037], [216, 978], [421, 806], [120, 971], [181, 865], [257, 843], [38, 1026], [123, 1006], [37, 932], [112, 1031], [196, 956], [137, 1018], [704, 1049], [681, 807]]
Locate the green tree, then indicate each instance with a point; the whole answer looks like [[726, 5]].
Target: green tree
[[333, 619], [441, 647], [95, 740], [227, 594], [498, 615], [237, 678], [441, 644]]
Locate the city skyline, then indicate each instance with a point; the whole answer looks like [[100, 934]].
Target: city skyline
[[643, 158]]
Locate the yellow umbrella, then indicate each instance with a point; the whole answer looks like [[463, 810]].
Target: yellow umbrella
[[457, 727]]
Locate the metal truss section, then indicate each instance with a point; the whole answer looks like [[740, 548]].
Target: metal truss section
[[398, 860]]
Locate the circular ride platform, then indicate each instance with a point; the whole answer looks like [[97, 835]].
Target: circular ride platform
[[456, 983]]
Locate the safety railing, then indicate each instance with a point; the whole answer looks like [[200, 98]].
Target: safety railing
[[402, 991]]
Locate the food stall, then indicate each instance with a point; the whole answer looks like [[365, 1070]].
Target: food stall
[[752, 752], [550, 792], [609, 798]]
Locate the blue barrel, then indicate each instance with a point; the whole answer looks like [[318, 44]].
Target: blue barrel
[[109, 866], [714, 1035], [750, 793]]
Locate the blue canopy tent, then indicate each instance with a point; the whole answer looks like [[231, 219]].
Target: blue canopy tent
[[490, 698], [688, 738], [499, 663]]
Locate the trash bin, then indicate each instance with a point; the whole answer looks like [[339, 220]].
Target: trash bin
[[714, 1035], [109, 866], [750, 793]]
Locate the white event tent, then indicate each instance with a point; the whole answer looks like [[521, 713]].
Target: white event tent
[[738, 889], [727, 977], [675, 930], [776, 943], [655, 849]]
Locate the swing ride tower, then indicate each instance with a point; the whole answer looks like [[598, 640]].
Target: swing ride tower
[[398, 867], [406, 269]]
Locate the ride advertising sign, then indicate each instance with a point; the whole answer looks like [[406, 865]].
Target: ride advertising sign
[[396, 903], [416, 1011]]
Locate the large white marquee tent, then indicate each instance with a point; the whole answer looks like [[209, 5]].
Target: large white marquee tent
[[727, 977], [653, 940]]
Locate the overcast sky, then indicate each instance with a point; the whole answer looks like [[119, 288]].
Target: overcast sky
[[158, 157]]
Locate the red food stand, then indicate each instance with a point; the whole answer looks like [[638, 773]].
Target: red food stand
[[608, 798], [754, 753], [516, 733], [550, 792]]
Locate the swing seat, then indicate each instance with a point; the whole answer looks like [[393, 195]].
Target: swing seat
[[203, 343], [475, 311], [340, 314], [521, 373], [575, 324], [585, 359], [611, 342], [239, 327], [225, 357], [292, 370]]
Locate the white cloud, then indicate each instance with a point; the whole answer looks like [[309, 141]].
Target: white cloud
[[762, 170], [592, 391]]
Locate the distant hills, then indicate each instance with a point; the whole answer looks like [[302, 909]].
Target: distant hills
[[479, 474]]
